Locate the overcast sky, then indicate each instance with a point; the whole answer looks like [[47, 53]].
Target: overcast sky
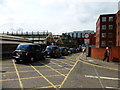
[[56, 16]]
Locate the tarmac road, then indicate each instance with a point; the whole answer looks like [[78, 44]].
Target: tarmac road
[[65, 72]]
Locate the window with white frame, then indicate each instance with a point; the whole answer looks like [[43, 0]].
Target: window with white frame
[[74, 35], [110, 18], [103, 35], [103, 43], [78, 35], [103, 27], [103, 19]]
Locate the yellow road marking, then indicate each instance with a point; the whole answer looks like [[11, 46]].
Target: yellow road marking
[[20, 82], [59, 65], [57, 75], [32, 71], [8, 80], [43, 76], [7, 67], [47, 86], [98, 65], [62, 62], [70, 71], [54, 70], [20, 71]]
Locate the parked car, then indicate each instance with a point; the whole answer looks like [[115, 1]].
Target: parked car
[[63, 50], [72, 50], [28, 52], [52, 51]]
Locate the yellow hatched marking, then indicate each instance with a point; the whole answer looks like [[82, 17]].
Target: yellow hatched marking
[[62, 62], [43, 76], [32, 71], [8, 80], [60, 65], [20, 71], [54, 70], [69, 72], [7, 67], [20, 82], [31, 77], [47, 86]]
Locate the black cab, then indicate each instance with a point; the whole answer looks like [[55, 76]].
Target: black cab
[[53, 51], [64, 50], [28, 52]]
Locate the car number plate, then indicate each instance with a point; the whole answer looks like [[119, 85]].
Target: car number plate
[[19, 53]]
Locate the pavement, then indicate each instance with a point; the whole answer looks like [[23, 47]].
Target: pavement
[[100, 62]]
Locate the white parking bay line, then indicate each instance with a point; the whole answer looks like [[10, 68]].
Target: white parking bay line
[[112, 88], [110, 78]]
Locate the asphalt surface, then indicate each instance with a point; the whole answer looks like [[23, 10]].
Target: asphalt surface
[[65, 72]]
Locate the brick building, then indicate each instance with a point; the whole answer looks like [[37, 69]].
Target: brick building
[[106, 31], [92, 38], [107, 34], [118, 28]]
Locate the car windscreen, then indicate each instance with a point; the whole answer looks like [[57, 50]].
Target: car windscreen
[[22, 47], [48, 48]]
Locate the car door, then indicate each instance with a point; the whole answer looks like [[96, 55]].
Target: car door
[[37, 52]]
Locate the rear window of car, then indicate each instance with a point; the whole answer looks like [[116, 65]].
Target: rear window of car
[[22, 47], [48, 48], [62, 49]]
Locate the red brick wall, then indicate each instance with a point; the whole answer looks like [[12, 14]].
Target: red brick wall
[[99, 53], [115, 56]]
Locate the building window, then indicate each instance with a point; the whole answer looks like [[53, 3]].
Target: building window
[[74, 35], [103, 19], [71, 34], [78, 35], [110, 35], [103, 35], [103, 27], [110, 43], [110, 18], [103, 43], [110, 27]]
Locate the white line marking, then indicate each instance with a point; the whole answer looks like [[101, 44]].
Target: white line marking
[[112, 87], [110, 78], [99, 78]]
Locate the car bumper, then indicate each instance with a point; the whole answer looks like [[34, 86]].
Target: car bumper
[[20, 58]]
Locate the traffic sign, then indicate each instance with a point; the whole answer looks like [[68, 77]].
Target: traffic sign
[[86, 36]]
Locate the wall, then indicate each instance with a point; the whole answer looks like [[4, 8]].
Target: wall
[[99, 53]]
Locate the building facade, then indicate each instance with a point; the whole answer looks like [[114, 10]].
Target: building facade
[[79, 35], [118, 29], [106, 31]]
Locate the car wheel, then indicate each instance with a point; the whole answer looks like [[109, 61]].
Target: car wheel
[[43, 57], [17, 61]]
